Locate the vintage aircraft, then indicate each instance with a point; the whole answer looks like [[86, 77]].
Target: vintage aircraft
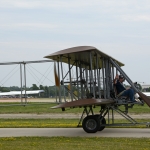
[[91, 86]]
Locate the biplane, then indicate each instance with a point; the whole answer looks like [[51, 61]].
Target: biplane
[[89, 84]]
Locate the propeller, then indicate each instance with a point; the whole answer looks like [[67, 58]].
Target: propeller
[[57, 81]]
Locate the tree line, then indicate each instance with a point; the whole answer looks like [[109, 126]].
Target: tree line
[[50, 91]]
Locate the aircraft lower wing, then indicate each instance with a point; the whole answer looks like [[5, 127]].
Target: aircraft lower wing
[[85, 102], [19, 92], [146, 93]]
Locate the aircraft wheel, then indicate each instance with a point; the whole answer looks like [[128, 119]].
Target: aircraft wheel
[[103, 121], [91, 124]]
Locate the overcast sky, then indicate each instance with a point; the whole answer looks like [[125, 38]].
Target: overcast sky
[[32, 29]]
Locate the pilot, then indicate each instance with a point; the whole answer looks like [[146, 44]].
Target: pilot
[[118, 81]]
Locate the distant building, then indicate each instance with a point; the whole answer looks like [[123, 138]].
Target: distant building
[[144, 86]]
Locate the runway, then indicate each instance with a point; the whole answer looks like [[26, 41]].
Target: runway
[[74, 132], [63, 115]]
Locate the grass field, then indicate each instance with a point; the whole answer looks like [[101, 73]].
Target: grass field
[[53, 123], [46, 108], [63, 143], [77, 143]]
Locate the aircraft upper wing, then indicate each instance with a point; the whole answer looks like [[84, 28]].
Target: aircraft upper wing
[[80, 53], [19, 92]]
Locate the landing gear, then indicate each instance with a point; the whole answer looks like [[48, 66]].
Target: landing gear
[[102, 122], [93, 123]]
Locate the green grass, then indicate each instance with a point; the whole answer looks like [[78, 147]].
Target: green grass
[[53, 123], [37, 123], [30, 108], [46, 108], [71, 143]]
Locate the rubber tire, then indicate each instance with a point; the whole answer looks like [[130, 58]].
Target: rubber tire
[[91, 121], [103, 122]]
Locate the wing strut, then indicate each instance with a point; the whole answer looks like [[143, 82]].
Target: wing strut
[[57, 82], [143, 96]]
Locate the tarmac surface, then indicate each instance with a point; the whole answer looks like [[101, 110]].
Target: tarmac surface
[[66, 115], [74, 132]]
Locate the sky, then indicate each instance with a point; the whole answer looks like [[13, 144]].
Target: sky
[[32, 29]]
